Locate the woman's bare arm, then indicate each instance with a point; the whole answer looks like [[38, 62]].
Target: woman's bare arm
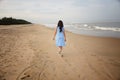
[[64, 35], [54, 33]]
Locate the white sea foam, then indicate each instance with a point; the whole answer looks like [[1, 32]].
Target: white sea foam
[[85, 25], [88, 27], [107, 28]]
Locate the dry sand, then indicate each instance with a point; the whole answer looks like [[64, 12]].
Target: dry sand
[[27, 52]]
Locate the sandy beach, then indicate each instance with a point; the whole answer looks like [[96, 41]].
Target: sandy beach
[[27, 52]]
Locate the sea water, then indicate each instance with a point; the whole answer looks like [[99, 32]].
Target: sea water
[[102, 29]]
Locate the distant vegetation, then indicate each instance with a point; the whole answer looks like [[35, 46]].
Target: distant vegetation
[[10, 21]]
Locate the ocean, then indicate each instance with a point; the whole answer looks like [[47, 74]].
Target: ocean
[[102, 29]]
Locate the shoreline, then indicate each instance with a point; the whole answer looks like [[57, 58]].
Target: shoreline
[[87, 35], [83, 34], [28, 52], [97, 33]]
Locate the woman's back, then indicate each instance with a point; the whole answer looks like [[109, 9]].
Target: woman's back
[[60, 34]]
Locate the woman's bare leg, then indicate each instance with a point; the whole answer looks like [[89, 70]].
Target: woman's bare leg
[[60, 49]]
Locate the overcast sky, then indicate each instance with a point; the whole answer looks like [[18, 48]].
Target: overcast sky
[[70, 11]]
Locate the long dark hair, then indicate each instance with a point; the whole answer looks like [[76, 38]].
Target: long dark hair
[[60, 25]]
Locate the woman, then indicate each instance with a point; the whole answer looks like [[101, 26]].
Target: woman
[[60, 36]]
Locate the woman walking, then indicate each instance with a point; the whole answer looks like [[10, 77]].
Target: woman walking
[[59, 36]]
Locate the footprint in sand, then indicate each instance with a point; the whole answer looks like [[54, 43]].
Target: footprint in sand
[[2, 78], [26, 73], [61, 55], [2, 75], [32, 72], [25, 77]]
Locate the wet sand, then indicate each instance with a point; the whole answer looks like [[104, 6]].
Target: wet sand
[[27, 52]]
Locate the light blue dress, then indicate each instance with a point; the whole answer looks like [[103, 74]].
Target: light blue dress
[[60, 37]]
